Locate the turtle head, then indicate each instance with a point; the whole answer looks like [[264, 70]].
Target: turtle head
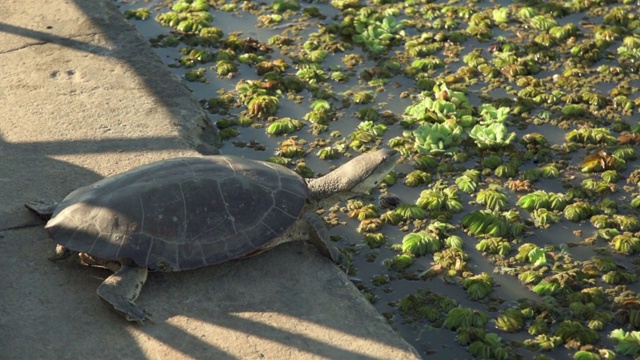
[[357, 176]]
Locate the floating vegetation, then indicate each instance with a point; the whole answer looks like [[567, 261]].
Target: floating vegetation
[[462, 317], [468, 181], [486, 222], [492, 199], [579, 211], [410, 212], [421, 243], [417, 178], [517, 123], [478, 286], [138, 14], [494, 245], [627, 343], [511, 320], [492, 136], [284, 126], [437, 138]]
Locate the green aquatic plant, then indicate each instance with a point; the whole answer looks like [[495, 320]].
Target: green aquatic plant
[[543, 218], [284, 126], [468, 335], [265, 105], [290, 149], [357, 209], [508, 170], [529, 277], [363, 97], [421, 243], [591, 136], [454, 241], [369, 225], [492, 199], [626, 243], [531, 253], [446, 104], [627, 343], [463, 317], [284, 5], [426, 304], [544, 342], [511, 320], [275, 66], [366, 132], [549, 171], [138, 14], [376, 36], [490, 347], [492, 136], [494, 245], [468, 181], [196, 75], [599, 320], [538, 326], [438, 138], [478, 286], [570, 330], [225, 68], [452, 259], [626, 222], [190, 5], [581, 310], [410, 212], [489, 114], [601, 161], [328, 153], [618, 277], [191, 57], [491, 161], [579, 211], [399, 262], [485, 222], [440, 199], [375, 240], [417, 178], [187, 17]]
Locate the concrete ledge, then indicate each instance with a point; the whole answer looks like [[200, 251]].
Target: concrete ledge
[[85, 97]]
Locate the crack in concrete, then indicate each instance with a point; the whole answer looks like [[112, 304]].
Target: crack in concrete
[[62, 41]]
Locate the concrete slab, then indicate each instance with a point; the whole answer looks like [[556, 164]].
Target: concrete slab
[[84, 97]]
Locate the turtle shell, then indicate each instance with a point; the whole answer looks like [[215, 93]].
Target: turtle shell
[[182, 213]]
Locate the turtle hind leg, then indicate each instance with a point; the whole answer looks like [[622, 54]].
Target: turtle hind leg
[[42, 208], [319, 236], [121, 289]]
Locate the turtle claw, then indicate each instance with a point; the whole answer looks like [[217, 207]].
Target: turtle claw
[[132, 312], [129, 310]]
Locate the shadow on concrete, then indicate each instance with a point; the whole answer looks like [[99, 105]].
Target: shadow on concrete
[[217, 296]]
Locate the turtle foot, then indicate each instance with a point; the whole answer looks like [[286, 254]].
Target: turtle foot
[[131, 311], [121, 289]]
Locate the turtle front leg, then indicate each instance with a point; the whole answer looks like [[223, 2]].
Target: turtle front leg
[[319, 236], [121, 289]]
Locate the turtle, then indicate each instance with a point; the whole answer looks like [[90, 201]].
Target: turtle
[[190, 212]]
